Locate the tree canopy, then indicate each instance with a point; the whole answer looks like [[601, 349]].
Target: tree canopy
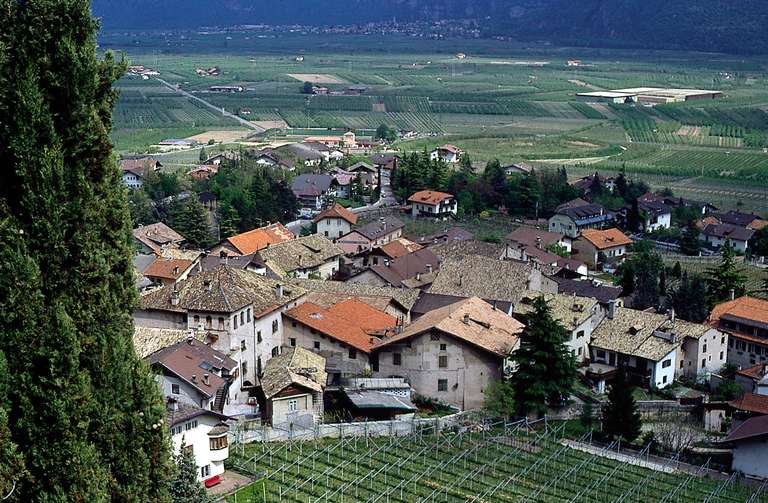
[[620, 416], [85, 409]]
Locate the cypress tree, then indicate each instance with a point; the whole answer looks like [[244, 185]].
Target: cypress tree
[[620, 416], [185, 488], [726, 277], [85, 412], [546, 368]]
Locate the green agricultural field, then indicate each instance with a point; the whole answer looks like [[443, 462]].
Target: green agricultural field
[[515, 465], [505, 100]]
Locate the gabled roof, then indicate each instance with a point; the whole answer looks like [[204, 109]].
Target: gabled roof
[[311, 185], [584, 214], [450, 148], [744, 308], [448, 235], [362, 166], [405, 297], [728, 231], [534, 237], [471, 320], [139, 167], [398, 248], [337, 211], [604, 239], [641, 334], [357, 325], [569, 310], [258, 239], [756, 372], [738, 218], [222, 290], [468, 247], [147, 340], [181, 412], [430, 197], [164, 268], [302, 253], [586, 288], [483, 277], [376, 229], [751, 428], [407, 266], [191, 360], [296, 366], [156, 235]]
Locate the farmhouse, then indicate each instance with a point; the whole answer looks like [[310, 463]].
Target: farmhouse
[[312, 190], [447, 153], [715, 236], [572, 217], [654, 214], [335, 222], [135, 171], [433, 204], [603, 248], [453, 353]]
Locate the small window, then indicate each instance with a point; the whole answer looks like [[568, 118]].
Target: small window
[[244, 367], [293, 405], [258, 336], [242, 345], [443, 347], [317, 345], [275, 351], [221, 323], [580, 334], [664, 379], [666, 363], [248, 315], [205, 471], [722, 340], [234, 321], [197, 320], [208, 322], [721, 355], [397, 359], [242, 317], [704, 362], [175, 389], [292, 340], [682, 363], [442, 361], [704, 349], [442, 385], [275, 326], [352, 354], [219, 443]]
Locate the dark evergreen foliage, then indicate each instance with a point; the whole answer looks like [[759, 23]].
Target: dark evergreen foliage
[[689, 299], [190, 219], [546, 368], [184, 487], [725, 279], [83, 406], [620, 416]]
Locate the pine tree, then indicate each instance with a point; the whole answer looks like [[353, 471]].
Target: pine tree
[[203, 155], [465, 164], [726, 278], [229, 220], [140, 206], [84, 407], [689, 242], [546, 368], [190, 219], [689, 299], [185, 488], [620, 416]]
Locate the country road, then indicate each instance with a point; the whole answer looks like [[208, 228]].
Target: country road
[[211, 106]]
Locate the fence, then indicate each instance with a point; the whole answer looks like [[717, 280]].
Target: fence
[[246, 432]]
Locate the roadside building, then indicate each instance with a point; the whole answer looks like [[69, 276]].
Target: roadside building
[[254, 240], [571, 218], [433, 204], [374, 234], [335, 222], [304, 257], [453, 353], [291, 389], [745, 320], [715, 236], [601, 248]]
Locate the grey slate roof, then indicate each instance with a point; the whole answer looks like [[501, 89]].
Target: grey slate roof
[[723, 231], [374, 230], [585, 288], [223, 290], [487, 278], [304, 252], [311, 185], [468, 247], [294, 366], [405, 297]]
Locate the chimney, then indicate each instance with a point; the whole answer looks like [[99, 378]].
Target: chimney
[[279, 291], [611, 309], [732, 294], [205, 379], [194, 377], [176, 270], [538, 242], [173, 404], [429, 268], [175, 296], [207, 284], [672, 314], [466, 318]]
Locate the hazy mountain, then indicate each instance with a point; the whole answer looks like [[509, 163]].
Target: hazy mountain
[[714, 25]]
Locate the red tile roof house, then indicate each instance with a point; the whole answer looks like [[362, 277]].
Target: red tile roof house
[[154, 238], [433, 204], [371, 235], [253, 240], [166, 271], [344, 333], [601, 247], [447, 153], [335, 221], [745, 320]]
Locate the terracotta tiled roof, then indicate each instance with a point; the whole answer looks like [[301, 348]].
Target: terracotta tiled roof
[[747, 308], [399, 247], [258, 239], [751, 428], [755, 372], [471, 320], [608, 238], [167, 268], [430, 197], [751, 402], [355, 331], [337, 211], [450, 148]]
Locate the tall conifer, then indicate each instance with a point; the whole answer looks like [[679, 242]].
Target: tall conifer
[[84, 411]]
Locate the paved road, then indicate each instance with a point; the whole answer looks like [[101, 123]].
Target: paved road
[[211, 106]]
